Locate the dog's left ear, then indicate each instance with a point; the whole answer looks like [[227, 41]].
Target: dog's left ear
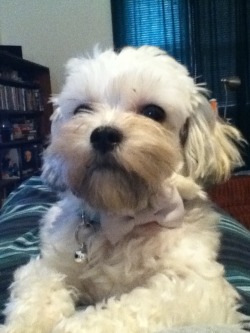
[[211, 147]]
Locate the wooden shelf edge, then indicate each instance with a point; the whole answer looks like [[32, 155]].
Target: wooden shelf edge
[[14, 144]]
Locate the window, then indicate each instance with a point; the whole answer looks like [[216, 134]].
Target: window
[[211, 37]]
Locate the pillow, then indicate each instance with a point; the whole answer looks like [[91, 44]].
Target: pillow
[[235, 256], [19, 229]]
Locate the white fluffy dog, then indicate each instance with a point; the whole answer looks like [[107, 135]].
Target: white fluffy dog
[[134, 238]]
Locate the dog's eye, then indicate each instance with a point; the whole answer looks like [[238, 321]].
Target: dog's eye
[[83, 108], [154, 112]]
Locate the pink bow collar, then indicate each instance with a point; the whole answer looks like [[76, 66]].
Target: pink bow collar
[[166, 208]]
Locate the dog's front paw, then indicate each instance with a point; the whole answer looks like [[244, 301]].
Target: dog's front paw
[[39, 300]]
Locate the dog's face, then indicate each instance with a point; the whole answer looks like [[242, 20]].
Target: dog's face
[[125, 122]]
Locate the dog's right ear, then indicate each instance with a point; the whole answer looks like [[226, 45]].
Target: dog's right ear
[[56, 118], [52, 172]]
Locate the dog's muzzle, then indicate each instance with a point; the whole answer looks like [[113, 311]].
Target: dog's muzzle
[[105, 138]]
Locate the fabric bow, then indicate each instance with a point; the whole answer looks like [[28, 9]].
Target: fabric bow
[[166, 208]]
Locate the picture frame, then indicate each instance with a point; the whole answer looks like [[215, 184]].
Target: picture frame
[[29, 159], [10, 164]]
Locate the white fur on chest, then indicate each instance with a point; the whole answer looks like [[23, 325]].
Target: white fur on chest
[[112, 270]]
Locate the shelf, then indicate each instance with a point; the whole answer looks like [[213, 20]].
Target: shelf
[[20, 63], [12, 181], [27, 89], [16, 83], [17, 143], [4, 113], [9, 182]]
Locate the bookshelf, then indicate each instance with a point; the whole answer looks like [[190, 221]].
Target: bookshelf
[[24, 119]]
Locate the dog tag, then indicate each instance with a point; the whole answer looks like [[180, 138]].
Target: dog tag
[[81, 254]]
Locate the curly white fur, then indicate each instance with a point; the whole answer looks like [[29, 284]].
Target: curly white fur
[[154, 277]]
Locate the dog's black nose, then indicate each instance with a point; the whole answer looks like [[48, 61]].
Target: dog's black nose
[[105, 138]]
